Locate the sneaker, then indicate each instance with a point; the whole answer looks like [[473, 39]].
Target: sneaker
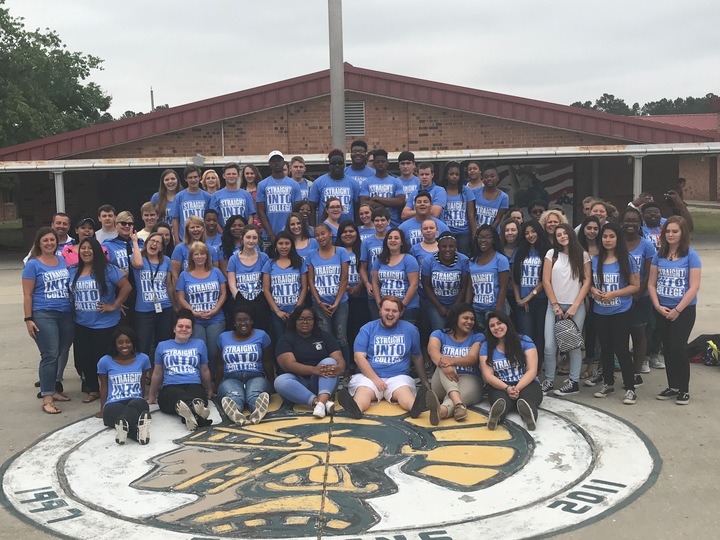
[[121, 431], [683, 398], [200, 409], [526, 414], [630, 397], [605, 391], [645, 366], [460, 413], [419, 405], [319, 410], [143, 428], [233, 413], [261, 406], [433, 405], [637, 380], [348, 403], [184, 412], [595, 379], [568, 389], [329, 407], [655, 362], [547, 386], [668, 393], [496, 411]]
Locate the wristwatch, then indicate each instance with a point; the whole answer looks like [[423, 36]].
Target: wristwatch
[[534, 292]]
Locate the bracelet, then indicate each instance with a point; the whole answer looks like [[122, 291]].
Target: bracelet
[[676, 309], [26, 319]]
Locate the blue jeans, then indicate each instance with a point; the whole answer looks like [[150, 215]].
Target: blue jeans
[[299, 389], [550, 351], [243, 388], [532, 322], [53, 339], [434, 320], [209, 334], [152, 328], [336, 325]]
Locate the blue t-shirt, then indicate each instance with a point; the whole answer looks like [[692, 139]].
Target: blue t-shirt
[[243, 356], [117, 250], [51, 291], [285, 284], [307, 250], [653, 233], [438, 196], [215, 244], [530, 274], [388, 350], [182, 251], [203, 294], [364, 233], [455, 213], [612, 281], [487, 210], [361, 175], [124, 382], [231, 203], [353, 274], [644, 251], [385, 188], [279, 197], [346, 189], [458, 349], [167, 218], [485, 281], [446, 280], [151, 285], [411, 228], [410, 187], [305, 186], [86, 295], [394, 279], [188, 204], [248, 279], [673, 279], [181, 361], [502, 369], [370, 248], [326, 274]]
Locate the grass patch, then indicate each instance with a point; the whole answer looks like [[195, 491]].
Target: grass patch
[[706, 222]]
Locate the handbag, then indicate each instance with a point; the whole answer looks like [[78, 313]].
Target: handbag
[[567, 335]]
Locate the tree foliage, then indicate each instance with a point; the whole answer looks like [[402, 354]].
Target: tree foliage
[[42, 88], [691, 105]]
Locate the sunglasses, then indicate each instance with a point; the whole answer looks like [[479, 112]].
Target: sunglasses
[[126, 223]]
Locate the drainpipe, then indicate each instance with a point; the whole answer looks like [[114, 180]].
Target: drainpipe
[[59, 191], [595, 177], [637, 176]]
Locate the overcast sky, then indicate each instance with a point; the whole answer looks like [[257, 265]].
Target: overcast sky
[[553, 50]]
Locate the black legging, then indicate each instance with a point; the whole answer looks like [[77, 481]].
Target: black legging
[[532, 393], [90, 344], [674, 336], [129, 410], [169, 396], [614, 334]]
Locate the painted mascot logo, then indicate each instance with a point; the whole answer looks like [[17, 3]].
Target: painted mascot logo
[[277, 477]]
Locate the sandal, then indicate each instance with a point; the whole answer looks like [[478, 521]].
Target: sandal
[[460, 413], [92, 396], [49, 407], [57, 396], [586, 373]]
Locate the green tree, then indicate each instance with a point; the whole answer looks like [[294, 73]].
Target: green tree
[[42, 88], [608, 103]]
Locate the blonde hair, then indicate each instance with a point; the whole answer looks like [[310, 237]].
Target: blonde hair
[[193, 220], [208, 173], [547, 213], [124, 216], [194, 248]]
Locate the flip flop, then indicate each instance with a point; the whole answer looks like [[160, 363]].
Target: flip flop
[[57, 396], [48, 407], [92, 396]]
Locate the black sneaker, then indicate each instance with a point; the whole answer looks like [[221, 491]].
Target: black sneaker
[[605, 391], [683, 398], [630, 397], [568, 389], [433, 405], [547, 387], [637, 380], [668, 393], [348, 403], [418, 405], [595, 379], [526, 413], [496, 411]]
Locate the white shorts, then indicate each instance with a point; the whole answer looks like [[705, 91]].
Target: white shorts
[[393, 383]]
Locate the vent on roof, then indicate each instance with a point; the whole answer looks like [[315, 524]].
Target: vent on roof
[[354, 118]]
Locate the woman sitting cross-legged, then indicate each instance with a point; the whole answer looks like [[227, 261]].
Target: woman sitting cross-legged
[[244, 370], [312, 362], [122, 381], [181, 383], [508, 362]]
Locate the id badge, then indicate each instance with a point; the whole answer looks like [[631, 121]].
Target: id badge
[[158, 307]]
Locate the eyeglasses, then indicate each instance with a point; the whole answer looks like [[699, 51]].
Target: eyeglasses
[[126, 223], [306, 319]]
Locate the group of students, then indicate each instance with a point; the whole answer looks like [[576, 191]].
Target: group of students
[[293, 284]]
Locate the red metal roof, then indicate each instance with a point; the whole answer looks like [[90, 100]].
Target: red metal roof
[[366, 81], [703, 122]]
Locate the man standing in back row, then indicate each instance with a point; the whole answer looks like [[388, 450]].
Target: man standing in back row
[[276, 195]]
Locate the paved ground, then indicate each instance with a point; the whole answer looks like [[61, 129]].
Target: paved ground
[[682, 503]]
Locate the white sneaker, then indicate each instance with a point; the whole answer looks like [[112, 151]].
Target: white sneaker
[[231, 409], [645, 366], [187, 415], [329, 407], [143, 428], [319, 410], [261, 406], [655, 362]]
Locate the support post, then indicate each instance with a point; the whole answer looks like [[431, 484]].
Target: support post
[[595, 177], [337, 75], [637, 176], [59, 191]]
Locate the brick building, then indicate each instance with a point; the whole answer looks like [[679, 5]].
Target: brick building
[[436, 121]]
